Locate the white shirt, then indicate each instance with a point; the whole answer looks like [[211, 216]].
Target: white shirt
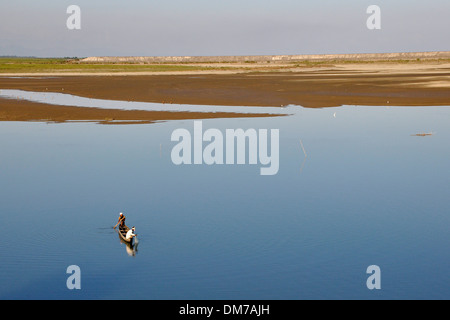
[[130, 234]]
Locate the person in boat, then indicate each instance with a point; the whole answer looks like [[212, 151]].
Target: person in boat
[[131, 234], [121, 220]]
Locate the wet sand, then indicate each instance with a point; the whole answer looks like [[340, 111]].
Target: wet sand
[[381, 84], [22, 110]]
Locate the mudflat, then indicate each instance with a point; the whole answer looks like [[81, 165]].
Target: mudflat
[[415, 83], [22, 110]]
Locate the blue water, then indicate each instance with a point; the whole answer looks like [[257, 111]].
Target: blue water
[[368, 192]]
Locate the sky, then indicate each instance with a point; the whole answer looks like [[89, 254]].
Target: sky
[[213, 27]]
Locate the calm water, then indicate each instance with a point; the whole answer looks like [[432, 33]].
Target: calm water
[[62, 99], [368, 193]]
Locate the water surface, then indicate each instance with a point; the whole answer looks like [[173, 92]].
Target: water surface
[[368, 192], [63, 99]]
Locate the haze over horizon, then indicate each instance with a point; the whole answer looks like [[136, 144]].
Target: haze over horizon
[[217, 28]]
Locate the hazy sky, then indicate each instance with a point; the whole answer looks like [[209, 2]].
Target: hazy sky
[[226, 27]]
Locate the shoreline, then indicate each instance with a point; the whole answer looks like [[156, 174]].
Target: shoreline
[[361, 57], [27, 111], [311, 86]]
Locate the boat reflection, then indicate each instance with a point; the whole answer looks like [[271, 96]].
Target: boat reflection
[[131, 248]]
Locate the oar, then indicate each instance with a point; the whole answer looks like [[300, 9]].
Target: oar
[[116, 225]]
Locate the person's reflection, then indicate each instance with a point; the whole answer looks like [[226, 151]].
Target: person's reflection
[[131, 249]]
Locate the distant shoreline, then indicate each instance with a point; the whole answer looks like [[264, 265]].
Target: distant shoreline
[[308, 84], [222, 65], [272, 58]]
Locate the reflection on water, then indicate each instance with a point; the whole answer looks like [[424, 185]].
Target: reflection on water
[[131, 249], [369, 193], [63, 99]]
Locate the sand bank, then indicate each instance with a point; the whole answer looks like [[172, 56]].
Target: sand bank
[[375, 83]]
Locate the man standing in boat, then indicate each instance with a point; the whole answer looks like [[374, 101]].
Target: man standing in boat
[[121, 220], [131, 234]]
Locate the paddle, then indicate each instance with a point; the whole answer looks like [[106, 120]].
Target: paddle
[[122, 218]]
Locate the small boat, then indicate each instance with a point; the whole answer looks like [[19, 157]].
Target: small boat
[[123, 234], [423, 134]]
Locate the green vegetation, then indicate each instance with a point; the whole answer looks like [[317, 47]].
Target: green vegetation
[[12, 64], [16, 65], [48, 65]]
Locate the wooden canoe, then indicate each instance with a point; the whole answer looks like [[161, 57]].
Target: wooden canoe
[[123, 234]]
